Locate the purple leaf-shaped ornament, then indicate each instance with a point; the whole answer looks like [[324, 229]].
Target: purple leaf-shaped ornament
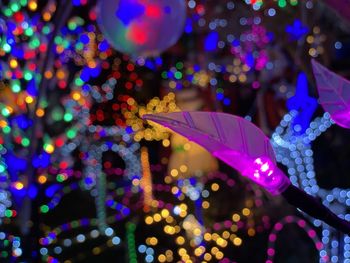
[[232, 139], [334, 92]]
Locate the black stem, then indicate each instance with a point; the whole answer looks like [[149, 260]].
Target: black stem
[[313, 207]]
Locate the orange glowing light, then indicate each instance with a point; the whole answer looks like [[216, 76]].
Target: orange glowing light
[[40, 112], [46, 16], [48, 74], [42, 179]]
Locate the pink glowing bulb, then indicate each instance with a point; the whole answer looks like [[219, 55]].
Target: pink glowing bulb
[[232, 139]]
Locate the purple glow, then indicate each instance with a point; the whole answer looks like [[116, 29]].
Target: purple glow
[[232, 139], [334, 93]]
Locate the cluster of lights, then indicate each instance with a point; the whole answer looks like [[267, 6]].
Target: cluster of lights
[[278, 227], [182, 76], [138, 126], [316, 40], [258, 4], [5, 195], [10, 246], [179, 217], [251, 47], [53, 247], [130, 237], [125, 147], [25, 40], [77, 106], [148, 251], [208, 242], [146, 181]]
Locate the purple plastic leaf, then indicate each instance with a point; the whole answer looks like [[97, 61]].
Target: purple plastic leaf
[[232, 139], [334, 92]]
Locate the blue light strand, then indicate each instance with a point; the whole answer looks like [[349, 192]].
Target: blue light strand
[[295, 152]]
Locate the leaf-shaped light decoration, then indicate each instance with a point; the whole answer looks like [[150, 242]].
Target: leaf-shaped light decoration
[[242, 145], [334, 92], [232, 139]]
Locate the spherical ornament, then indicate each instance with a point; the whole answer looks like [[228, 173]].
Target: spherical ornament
[[141, 27]]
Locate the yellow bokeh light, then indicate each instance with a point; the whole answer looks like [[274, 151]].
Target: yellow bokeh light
[[153, 241], [161, 258], [187, 146], [76, 96], [174, 172], [169, 219], [207, 257], [214, 250], [167, 179], [32, 5], [29, 99], [183, 213], [180, 240], [149, 220], [219, 255], [49, 148], [251, 232], [221, 242], [236, 217], [13, 63], [166, 143], [226, 234], [237, 241], [215, 187], [214, 236], [18, 185], [234, 228], [183, 168], [197, 231], [205, 204], [182, 251], [207, 236], [246, 211], [165, 213], [242, 78], [199, 251], [157, 217]]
